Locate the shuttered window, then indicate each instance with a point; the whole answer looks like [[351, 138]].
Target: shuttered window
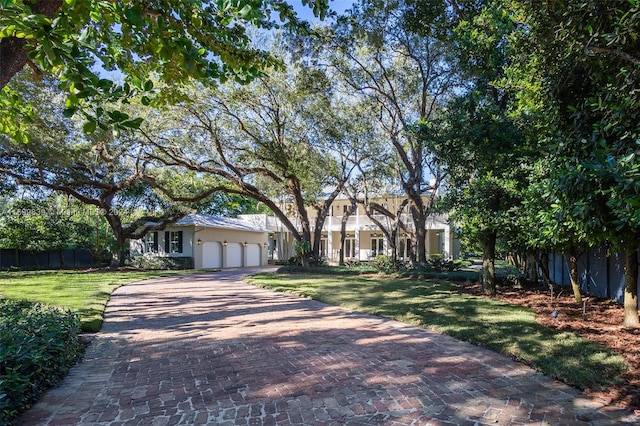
[[173, 241]]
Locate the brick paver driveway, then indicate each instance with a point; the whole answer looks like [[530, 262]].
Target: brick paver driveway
[[210, 349]]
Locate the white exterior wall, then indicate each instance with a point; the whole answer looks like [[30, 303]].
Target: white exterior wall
[[439, 239], [212, 247]]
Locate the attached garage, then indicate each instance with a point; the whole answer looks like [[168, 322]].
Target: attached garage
[[234, 255], [210, 241], [253, 255], [211, 255]]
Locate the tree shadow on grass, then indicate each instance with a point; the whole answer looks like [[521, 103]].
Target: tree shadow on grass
[[211, 352]]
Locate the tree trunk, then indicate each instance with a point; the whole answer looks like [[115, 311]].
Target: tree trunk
[[343, 236], [12, 51], [631, 289], [122, 250], [543, 260], [488, 262], [531, 268], [573, 268], [421, 247]]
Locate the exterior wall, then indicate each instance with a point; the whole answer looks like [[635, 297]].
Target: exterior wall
[[439, 238], [236, 248], [360, 230], [234, 253], [339, 204]]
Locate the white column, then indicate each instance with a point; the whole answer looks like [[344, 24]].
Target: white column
[[330, 238]]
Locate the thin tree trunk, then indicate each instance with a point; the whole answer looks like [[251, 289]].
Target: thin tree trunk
[[631, 289], [573, 273], [343, 236], [488, 262], [544, 267]]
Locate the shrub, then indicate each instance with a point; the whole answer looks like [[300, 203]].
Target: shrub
[[438, 263], [161, 262], [387, 264], [509, 275], [39, 345], [326, 270], [442, 275]]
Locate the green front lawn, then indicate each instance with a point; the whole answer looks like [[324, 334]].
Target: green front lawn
[[85, 293], [506, 328]]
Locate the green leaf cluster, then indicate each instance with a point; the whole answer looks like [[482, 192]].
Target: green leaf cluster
[[39, 344], [174, 40]]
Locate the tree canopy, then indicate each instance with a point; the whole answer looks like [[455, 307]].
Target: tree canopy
[[106, 51]]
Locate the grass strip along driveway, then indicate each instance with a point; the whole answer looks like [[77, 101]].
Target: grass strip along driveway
[[83, 292], [435, 304]]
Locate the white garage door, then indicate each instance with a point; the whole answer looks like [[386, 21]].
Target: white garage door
[[211, 255], [234, 255], [253, 255]]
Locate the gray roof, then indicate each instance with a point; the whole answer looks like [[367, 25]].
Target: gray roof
[[210, 221]]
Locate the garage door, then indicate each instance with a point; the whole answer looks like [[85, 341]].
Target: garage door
[[253, 255], [234, 255], [211, 255]]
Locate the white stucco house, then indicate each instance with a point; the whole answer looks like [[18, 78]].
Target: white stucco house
[[211, 241], [256, 239]]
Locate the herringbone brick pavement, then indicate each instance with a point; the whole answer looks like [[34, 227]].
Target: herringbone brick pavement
[[210, 349]]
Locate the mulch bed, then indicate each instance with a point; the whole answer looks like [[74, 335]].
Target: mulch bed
[[601, 322]]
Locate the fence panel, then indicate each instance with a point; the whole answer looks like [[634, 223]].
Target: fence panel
[[53, 259], [600, 275]]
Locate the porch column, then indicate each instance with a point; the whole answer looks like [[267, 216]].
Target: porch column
[[330, 238]]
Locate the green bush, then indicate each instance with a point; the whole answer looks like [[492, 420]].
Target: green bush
[[386, 264], [442, 275], [508, 275], [161, 262], [327, 270], [438, 263], [39, 345]]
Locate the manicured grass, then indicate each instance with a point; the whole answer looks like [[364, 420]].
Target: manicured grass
[[506, 328], [85, 293]]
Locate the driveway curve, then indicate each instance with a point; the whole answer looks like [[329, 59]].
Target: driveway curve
[[210, 349]]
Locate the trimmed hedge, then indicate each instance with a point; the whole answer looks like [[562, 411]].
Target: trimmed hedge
[[327, 270], [444, 275], [39, 344]]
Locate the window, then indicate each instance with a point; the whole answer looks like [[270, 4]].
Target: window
[[377, 246], [349, 247], [323, 247], [151, 242], [404, 248], [173, 241]]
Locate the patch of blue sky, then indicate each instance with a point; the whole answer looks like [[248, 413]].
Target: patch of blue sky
[[306, 13]]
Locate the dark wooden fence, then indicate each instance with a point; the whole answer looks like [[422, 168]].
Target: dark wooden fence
[[53, 259], [600, 275]]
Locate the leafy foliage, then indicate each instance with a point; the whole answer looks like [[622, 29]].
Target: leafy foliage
[[160, 262], [175, 40], [39, 344]]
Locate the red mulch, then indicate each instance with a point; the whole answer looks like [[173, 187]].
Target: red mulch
[[602, 324]]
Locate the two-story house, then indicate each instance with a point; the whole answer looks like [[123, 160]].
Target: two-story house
[[364, 238]]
